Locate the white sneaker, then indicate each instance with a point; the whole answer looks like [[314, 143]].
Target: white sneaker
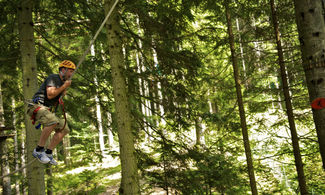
[[52, 161], [41, 156]]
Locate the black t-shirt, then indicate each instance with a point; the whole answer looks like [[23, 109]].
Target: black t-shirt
[[40, 96]]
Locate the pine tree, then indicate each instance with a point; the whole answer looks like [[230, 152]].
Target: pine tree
[[35, 172], [130, 181], [250, 167], [289, 109]]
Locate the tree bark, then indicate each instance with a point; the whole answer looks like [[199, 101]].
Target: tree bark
[[144, 92], [2, 119], [49, 184], [241, 52], [14, 121], [35, 172], [98, 113], [129, 181], [6, 183], [110, 138], [240, 103], [23, 160], [311, 28], [198, 130], [289, 109], [66, 150]]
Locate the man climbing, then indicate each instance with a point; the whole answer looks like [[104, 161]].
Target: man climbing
[[47, 97]]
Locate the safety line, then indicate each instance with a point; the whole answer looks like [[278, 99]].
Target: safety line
[[21, 168], [95, 37]]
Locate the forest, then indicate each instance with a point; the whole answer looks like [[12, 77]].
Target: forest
[[168, 97]]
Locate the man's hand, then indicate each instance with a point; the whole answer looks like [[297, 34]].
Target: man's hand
[[67, 84], [52, 92]]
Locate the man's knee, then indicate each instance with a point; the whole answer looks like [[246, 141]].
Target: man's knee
[[49, 128], [51, 125], [61, 127]]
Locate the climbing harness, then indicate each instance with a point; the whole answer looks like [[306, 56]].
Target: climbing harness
[[35, 101], [34, 114], [33, 117]]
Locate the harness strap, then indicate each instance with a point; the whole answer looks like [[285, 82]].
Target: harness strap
[[34, 115]]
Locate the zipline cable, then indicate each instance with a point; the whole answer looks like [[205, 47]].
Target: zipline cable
[[94, 38], [21, 168]]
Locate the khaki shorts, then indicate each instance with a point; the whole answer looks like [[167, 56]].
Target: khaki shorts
[[47, 118]]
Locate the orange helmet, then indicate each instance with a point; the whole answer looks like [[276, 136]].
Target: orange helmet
[[67, 64]]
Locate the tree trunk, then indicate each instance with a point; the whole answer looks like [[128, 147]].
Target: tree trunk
[[23, 160], [66, 150], [240, 103], [98, 113], [100, 123], [110, 139], [129, 181], [2, 119], [35, 172], [257, 48], [294, 136], [213, 107], [241, 52], [14, 121], [49, 183], [311, 28], [6, 183], [142, 91], [159, 91], [198, 130]]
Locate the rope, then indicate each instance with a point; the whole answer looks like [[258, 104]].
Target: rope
[[65, 117], [94, 38], [21, 168]]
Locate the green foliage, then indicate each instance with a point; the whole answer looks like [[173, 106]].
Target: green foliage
[[193, 171], [87, 181], [189, 83]]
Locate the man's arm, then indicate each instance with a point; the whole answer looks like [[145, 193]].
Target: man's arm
[[52, 92]]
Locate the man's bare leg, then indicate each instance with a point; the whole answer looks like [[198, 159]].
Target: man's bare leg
[[56, 139], [39, 152], [46, 132]]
